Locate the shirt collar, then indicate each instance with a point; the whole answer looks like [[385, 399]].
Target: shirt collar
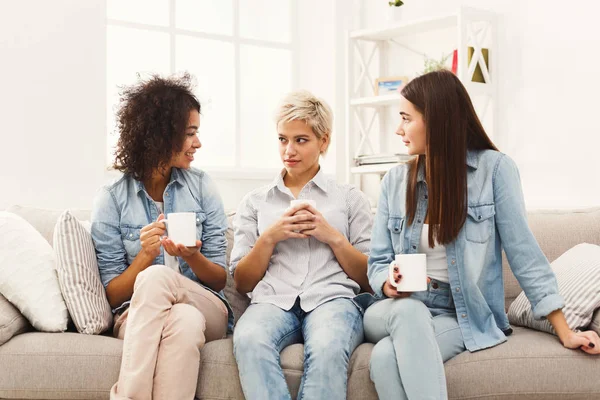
[[319, 180]]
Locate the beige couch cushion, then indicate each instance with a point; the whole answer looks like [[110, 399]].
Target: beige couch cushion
[[556, 232], [530, 365], [40, 365]]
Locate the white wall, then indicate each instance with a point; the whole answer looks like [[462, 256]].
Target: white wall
[[52, 101], [52, 98], [548, 94]]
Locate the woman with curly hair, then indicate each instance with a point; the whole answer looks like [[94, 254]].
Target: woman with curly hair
[[166, 297]]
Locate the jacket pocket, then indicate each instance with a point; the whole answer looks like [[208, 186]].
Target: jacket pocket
[[131, 240], [480, 222], [396, 228]]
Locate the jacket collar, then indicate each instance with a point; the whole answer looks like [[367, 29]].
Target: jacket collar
[[472, 161]]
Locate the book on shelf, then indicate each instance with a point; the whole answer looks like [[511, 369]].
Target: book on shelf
[[383, 158]]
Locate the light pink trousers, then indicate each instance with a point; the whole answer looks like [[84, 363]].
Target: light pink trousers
[[169, 320]]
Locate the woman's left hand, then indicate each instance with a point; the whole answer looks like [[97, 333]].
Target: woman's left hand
[[588, 341], [322, 231], [179, 250]]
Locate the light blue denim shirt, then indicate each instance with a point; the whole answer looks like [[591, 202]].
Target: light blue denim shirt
[[496, 220], [124, 207]]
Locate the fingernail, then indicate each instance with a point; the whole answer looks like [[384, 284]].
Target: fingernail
[[591, 345], [395, 269], [396, 280], [399, 276]]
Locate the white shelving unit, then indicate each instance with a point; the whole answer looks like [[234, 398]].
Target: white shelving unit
[[472, 28]]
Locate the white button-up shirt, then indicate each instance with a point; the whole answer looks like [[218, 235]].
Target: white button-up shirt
[[305, 268]]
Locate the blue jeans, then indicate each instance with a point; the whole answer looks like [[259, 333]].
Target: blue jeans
[[414, 336], [330, 334]]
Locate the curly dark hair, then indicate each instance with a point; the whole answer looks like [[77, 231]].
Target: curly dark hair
[[151, 118]]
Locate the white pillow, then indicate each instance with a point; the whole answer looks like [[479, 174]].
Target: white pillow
[[78, 276], [578, 275], [28, 276]]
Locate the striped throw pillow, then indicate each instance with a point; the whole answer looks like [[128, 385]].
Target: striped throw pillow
[[577, 273], [78, 276]]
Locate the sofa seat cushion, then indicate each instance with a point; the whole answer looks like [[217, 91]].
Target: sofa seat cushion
[[38, 365], [530, 365], [219, 374]]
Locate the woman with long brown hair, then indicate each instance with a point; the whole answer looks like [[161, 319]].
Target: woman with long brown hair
[[460, 202]]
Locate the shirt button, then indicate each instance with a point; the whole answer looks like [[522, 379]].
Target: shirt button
[[131, 235], [457, 289], [419, 221], [479, 217], [197, 219], [166, 194], [464, 315], [414, 247], [453, 262], [426, 197]]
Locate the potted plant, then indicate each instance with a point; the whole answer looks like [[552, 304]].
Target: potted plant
[[394, 13]]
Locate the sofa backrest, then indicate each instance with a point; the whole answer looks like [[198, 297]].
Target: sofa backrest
[[556, 232]]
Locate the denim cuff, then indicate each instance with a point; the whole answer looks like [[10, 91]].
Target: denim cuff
[[106, 277], [548, 304], [377, 283]]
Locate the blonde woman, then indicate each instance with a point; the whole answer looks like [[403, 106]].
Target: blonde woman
[[303, 266]]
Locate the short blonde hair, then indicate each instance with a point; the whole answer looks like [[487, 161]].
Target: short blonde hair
[[302, 105]]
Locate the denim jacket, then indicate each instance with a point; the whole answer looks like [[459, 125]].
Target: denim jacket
[[496, 220], [122, 208]]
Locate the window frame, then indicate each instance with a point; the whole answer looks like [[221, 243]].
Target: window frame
[[237, 171]]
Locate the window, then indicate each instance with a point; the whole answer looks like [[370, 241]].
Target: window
[[240, 52]]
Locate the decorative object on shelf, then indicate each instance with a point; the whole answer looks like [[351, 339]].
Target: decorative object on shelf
[[395, 11], [431, 64], [454, 61], [478, 74], [389, 85], [382, 158], [372, 53]]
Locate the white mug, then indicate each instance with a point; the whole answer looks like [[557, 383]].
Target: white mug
[[413, 268], [181, 228], [297, 202]]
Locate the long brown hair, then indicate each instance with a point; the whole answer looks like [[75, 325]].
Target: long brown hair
[[452, 127]]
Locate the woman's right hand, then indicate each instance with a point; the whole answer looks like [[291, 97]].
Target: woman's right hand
[[390, 290], [290, 225], [150, 237]]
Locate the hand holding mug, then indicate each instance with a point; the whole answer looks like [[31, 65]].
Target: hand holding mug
[[181, 234], [150, 237], [178, 249], [407, 274], [290, 225]]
